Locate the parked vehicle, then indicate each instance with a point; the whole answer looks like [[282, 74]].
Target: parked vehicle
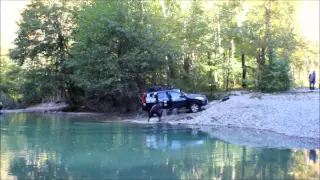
[[173, 98]]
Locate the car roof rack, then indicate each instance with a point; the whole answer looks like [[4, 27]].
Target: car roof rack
[[159, 88]]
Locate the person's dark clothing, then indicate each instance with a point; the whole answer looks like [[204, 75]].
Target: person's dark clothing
[[156, 109], [313, 155], [312, 80], [313, 77], [311, 86]]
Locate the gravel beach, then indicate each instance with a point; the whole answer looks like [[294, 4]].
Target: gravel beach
[[292, 114]]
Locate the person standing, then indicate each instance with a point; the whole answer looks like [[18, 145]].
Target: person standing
[[312, 80], [156, 109], [310, 74]]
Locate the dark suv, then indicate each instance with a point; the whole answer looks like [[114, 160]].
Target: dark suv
[[173, 98]]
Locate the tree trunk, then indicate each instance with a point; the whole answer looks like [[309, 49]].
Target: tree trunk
[[221, 51], [186, 64], [267, 33], [224, 69], [293, 75], [186, 59], [162, 2], [261, 58], [244, 70], [231, 60], [215, 71], [228, 70], [242, 16], [210, 75], [193, 71]]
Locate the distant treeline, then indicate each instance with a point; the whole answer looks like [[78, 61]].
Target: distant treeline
[[102, 54]]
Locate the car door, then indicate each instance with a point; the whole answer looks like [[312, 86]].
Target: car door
[[163, 97], [177, 99]]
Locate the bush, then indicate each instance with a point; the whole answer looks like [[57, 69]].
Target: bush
[[275, 77], [7, 101]]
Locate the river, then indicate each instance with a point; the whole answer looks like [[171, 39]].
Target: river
[[49, 146]]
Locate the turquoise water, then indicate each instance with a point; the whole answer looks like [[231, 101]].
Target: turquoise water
[[61, 147]]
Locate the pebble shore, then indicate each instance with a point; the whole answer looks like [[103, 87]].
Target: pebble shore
[[291, 114]]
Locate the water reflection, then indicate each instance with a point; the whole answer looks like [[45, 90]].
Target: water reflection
[[162, 141], [52, 146], [22, 169]]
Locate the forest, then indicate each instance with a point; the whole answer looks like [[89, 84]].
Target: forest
[[101, 55]]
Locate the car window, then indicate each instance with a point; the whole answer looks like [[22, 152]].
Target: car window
[[162, 95], [151, 98], [174, 95]]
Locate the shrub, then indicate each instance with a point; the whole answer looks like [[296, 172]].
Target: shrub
[[7, 101], [275, 77]]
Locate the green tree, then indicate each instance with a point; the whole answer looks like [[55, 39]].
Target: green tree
[[118, 48], [98, 53], [10, 83], [42, 44]]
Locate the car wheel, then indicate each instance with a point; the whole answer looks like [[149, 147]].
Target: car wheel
[[194, 107]]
